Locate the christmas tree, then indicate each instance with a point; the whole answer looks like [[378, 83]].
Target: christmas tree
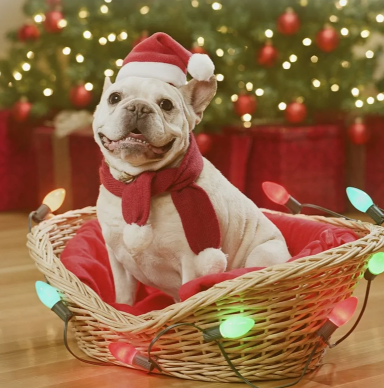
[[275, 60]]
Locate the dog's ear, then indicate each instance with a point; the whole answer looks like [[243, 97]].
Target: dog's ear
[[198, 94], [107, 84]]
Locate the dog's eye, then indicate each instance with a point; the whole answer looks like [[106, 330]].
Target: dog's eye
[[114, 98], [166, 105]]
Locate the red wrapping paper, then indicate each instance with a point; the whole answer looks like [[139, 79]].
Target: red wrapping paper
[[308, 161]]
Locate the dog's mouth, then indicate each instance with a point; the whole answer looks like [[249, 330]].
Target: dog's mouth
[[136, 138]]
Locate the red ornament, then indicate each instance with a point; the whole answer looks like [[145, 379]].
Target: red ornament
[[198, 50], [288, 23], [52, 20], [28, 32], [80, 97], [267, 55], [204, 142], [246, 103], [21, 110], [358, 133], [296, 112], [327, 39]]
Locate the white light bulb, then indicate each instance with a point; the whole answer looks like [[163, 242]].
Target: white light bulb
[[88, 86], [26, 66], [380, 97], [286, 65], [79, 58], [103, 41], [87, 34], [369, 54], [66, 50], [247, 124], [219, 77], [343, 3], [307, 42], [119, 62], [293, 58], [314, 59], [345, 64], [62, 23], [268, 33], [380, 18], [195, 3], [335, 88], [216, 6], [112, 37], [316, 83], [144, 10], [333, 18], [48, 92], [364, 33], [30, 54], [17, 76], [355, 92], [219, 52], [234, 97], [218, 100], [282, 105], [104, 9], [246, 117], [39, 18], [249, 86], [359, 103], [123, 35], [83, 13], [108, 73], [200, 41], [344, 31], [259, 92], [370, 100]]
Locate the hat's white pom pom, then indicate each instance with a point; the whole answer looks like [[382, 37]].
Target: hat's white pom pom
[[200, 67]]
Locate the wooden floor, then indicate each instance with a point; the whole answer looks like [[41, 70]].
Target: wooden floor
[[32, 354]]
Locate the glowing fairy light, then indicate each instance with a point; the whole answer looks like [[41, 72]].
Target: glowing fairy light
[[259, 92], [359, 103], [335, 88], [103, 41], [119, 62], [218, 100], [369, 54], [217, 6], [194, 3], [364, 33], [246, 117], [123, 35], [307, 42], [108, 73], [345, 64], [380, 97], [144, 10], [200, 41], [88, 86], [370, 100], [247, 124], [293, 58], [344, 31], [87, 34], [219, 52], [104, 9], [380, 18], [66, 50], [249, 86], [314, 59], [17, 76], [62, 23], [235, 97], [355, 92], [112, 37], [282, 106], [333, 19], [268, 33], [286, 65], [316, 83], [40, 17], [79, 58], [26, 66], [83, 13], [48, 92], [219, 77], [30, 54]]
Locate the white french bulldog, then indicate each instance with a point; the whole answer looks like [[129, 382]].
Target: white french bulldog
[[144, 124]]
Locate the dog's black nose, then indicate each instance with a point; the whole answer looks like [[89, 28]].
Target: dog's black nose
[[140, 108]]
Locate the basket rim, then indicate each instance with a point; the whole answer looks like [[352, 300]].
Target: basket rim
[[269, 275]]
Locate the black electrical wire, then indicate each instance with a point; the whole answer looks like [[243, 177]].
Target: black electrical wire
[[30, 221], [225, 355], [358, 318], [74, 355], [326, 211]]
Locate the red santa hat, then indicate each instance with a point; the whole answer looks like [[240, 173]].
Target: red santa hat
[[161, 57]]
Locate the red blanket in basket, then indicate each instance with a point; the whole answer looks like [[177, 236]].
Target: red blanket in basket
[[86, 256]]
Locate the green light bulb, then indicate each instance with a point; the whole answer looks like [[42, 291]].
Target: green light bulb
[[359, 199], [376, 263], [47, 294], [236, 327]]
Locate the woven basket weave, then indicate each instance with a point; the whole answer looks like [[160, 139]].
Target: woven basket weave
[[288, 302]]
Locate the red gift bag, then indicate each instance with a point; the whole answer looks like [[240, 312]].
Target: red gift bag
[[308, 161]]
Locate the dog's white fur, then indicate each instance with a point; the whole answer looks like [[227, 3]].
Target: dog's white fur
[[158, 253]]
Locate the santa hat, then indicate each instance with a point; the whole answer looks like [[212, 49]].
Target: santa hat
[[161, 57]]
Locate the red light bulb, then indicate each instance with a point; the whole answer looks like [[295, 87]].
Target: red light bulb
[[129, 355], [276, 193], [124, 353], [339, 316], [343, 311]]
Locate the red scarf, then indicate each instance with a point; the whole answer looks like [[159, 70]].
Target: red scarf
[[200, 223]]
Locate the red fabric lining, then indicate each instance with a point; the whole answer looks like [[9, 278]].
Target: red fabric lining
[[86, 256]]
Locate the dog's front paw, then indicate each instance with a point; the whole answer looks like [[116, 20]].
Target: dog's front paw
[[137, 238], [211, 261]]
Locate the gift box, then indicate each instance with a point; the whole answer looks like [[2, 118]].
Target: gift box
[[373, 168], [17, 166], [308, 161], [71, 162], [229, 153]]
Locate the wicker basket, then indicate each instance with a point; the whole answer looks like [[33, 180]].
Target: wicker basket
[[289, 302]]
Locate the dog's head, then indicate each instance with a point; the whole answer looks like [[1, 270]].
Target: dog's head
[[143, 124]]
